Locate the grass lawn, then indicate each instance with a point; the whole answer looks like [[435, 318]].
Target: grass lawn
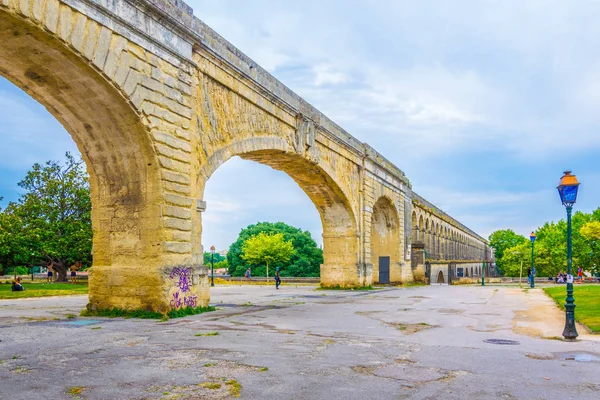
[[587, 302], [42, 290]]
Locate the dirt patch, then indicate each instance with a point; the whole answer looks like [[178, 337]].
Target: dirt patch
[[454, 311], [528, 322], [409, 329], [540, 356]]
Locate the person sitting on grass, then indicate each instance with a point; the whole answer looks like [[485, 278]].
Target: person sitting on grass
[[16, 285]]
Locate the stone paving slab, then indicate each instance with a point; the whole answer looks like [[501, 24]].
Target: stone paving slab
[[302, 343]]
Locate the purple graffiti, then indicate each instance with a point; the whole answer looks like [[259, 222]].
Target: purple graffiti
[[183, 286], [184, 275], [190, 301], [176, 302]]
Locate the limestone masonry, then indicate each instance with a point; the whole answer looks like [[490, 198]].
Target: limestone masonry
[[156, 101]]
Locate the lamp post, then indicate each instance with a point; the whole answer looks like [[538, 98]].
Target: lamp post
[[212, 265], [567, 189], [532, 238], [483, 273]]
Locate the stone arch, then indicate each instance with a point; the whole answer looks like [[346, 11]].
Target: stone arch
[[440, 277], [456, 246], [438, 240], [385, 238], [446, 240], [340, 235], [421, 230], [40, 56], [415, 228], [427, 238]]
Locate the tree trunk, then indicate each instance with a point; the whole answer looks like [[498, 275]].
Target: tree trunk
[[61, 270]]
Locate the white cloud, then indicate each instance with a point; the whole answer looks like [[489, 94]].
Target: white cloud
[[327, 75]]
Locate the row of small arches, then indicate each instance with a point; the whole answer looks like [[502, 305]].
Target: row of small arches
[[443, 242]]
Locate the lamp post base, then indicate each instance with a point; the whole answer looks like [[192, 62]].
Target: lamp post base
[[570, 331]]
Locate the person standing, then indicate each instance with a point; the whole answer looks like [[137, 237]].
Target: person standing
[[50, 270], [580, 274], [248, 275], [74, 268], [277, 278]]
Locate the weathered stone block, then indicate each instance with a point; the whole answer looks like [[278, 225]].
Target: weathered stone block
[[51, 20], [102, 48], [174, 142], [65, 23], [178, 212], [180, 224], [178, 200]]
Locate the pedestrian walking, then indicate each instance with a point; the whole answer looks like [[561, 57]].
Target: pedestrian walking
[[580, 274], [248, 275], [277, 278]]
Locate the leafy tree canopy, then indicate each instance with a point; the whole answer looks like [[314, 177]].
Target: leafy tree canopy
[[305, 261], [502, 240], [208, 257], [51, 220], [551, 246], [267, 249]]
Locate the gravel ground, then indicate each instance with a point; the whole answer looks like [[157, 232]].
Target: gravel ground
[[300, 343]]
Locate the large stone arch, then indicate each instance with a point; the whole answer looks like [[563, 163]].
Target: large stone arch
[[63, 71], [386, 238], [340, 236]]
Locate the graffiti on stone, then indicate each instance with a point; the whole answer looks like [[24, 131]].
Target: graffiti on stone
[[183, 295]]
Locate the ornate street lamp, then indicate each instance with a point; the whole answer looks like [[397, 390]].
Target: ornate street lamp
[[532, 238], [212, 265], [567, 189]]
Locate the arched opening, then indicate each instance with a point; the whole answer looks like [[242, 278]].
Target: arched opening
[[440, 277], [340, 238], [120, 159], [467, 272], [415, 228], [244, 193], [386, 242], [427, 239]]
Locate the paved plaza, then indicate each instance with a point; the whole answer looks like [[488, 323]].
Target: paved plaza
[[301, 343]]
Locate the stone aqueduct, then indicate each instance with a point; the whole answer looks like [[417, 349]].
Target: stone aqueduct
[[156, 101]]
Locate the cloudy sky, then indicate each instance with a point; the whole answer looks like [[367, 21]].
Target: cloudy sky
[[482, 103]]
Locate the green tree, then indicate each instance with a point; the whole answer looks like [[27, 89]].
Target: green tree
[[517, 257], [267, 249], [222, 264], [208, 258], [14, 246], [51, 221], [500, 241], [590, 232], [306, 260]]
